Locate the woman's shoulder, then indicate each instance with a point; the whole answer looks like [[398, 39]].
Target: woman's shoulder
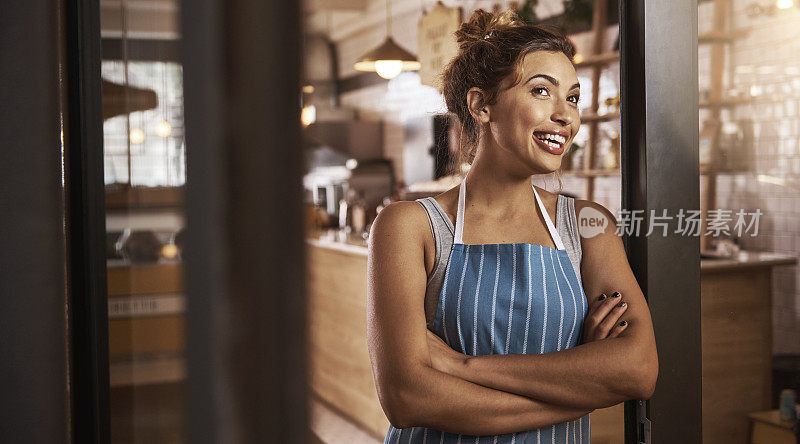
[[402, 228], [411, 212], [588, 205], [399, 216], [596, 224]]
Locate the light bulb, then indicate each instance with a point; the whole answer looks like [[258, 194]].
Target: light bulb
[[163, 129], [388, 69], [784, 4], [308, 115], [169, 251], [137, 136]]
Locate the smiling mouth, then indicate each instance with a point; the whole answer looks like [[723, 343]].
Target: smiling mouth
[[554, 141]]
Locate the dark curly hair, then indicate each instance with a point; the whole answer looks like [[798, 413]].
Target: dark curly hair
[[492, 47]]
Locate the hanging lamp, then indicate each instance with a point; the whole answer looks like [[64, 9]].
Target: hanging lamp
[[389, 58]]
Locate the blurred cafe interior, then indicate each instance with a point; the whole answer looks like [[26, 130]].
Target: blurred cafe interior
[[374, 129], [373, 140]]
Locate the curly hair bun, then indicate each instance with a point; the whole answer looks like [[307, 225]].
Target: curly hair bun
[[482, 24], [492, 48]]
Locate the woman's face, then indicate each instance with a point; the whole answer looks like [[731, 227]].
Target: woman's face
[[536, 120]]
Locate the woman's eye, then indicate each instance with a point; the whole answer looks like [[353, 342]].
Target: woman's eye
[[541, 90], [574, 99]]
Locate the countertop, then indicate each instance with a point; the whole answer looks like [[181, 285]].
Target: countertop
[[746, 259], [336, 240]]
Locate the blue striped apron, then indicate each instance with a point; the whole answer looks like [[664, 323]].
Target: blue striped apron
[[507, 299]]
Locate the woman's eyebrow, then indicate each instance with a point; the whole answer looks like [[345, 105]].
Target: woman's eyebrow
[[552, 80]]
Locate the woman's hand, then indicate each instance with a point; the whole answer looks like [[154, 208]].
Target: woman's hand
[[602, 319], [443, 358]]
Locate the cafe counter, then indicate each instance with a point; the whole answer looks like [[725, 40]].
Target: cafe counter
[[735, 322]]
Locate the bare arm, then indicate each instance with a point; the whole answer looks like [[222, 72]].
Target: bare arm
[[592, 375], [411, 391]]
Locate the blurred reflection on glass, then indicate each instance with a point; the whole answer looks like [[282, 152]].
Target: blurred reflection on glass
[[145, 171], [749, 162]]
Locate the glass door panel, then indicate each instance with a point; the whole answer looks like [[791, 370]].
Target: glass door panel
[[749, 103], [145, 172]]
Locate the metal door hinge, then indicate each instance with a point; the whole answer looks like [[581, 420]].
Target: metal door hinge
[[643, 423]]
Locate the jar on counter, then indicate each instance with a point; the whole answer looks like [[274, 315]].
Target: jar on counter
[[788, 399], [359, 214], [352, 212]]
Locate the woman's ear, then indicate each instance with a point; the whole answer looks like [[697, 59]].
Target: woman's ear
[[476, 105]]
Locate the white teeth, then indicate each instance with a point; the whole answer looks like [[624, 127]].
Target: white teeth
[[553, 137], [551, 144], [549, 139]]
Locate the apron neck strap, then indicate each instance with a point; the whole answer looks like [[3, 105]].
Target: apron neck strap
[[550, 227], [462, 194]]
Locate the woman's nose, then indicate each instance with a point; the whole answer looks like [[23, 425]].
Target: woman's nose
[[561, 114]]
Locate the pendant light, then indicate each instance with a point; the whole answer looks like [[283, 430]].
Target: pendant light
[[388, 59]]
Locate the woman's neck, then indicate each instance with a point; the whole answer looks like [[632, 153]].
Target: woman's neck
[[497, 180]]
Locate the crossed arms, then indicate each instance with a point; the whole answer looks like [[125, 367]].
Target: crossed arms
[[420, 383]]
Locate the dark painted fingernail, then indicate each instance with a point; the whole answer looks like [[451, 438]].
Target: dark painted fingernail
[[622, 304], [623, 323], [602, 296], [615, 295]]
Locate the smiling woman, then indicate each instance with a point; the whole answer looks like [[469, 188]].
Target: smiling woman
[[500, 45], [511, 333], [536, 119]]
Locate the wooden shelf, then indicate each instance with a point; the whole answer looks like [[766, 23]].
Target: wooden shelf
[[730, 102], [592, 173], [724, 103], [595, 61], [124, 197], [707, 170], [720, 37], [591, 117], [147, 369], [140, 279], [598, 59]]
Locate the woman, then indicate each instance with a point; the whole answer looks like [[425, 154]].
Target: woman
[[485, 316]]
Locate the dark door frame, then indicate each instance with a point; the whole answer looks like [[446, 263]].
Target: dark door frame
[[246, 249], [660, 170], [33, 374], [85, 223]]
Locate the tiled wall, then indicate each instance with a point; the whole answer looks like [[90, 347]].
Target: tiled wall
[[766, 63]]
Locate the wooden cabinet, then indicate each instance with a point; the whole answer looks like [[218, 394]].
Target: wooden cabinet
[[147, 325], [768, 428], [340, 372]]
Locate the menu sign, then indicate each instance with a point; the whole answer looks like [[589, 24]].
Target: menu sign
[[437, 45]]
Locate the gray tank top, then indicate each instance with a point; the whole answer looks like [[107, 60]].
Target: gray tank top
[[444, 233]]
